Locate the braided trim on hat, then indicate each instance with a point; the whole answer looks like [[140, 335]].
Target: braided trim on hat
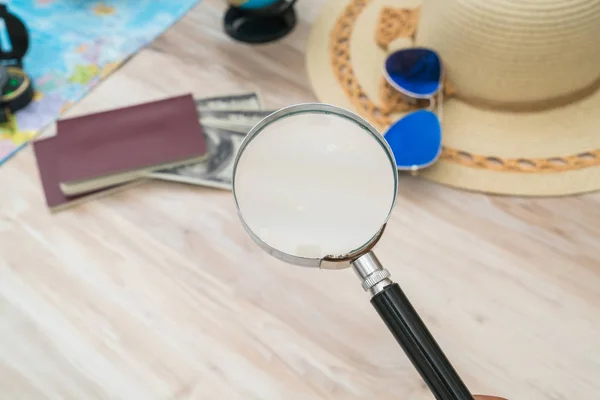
[[394, 23], [402, 22]]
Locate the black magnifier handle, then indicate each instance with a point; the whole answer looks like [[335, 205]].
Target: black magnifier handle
[[409, 330]]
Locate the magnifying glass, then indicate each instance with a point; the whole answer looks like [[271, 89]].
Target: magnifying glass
[[314, 186]]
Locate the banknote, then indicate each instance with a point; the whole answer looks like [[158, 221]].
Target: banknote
[[235, 120], [243, 101], [216, 171], [225, 121]]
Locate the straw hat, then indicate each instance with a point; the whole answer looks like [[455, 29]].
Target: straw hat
[[521, 114]]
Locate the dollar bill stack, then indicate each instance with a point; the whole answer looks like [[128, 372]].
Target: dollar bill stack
[[225, 121]]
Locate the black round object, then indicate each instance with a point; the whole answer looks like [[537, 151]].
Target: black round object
[[260, 25], [17, 32], [16, 87], [17, 92]]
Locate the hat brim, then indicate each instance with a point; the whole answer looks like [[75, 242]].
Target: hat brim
[[474, 132]]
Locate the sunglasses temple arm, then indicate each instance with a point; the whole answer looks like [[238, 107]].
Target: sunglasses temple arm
[[436, 103], [410, 332], [439, 104]]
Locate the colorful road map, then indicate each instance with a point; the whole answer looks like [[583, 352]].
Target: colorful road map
[[74, 44]]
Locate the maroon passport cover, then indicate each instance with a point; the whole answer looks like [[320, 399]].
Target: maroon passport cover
[[128, 139], [47, 152]]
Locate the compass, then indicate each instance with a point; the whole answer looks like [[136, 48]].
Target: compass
[[16, 88]]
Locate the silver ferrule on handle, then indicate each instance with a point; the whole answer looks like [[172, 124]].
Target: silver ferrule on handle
[[369, 270]]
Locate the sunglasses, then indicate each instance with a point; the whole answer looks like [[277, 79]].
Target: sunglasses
[[416, 138]]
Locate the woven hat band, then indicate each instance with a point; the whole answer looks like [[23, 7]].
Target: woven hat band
[[508, 51]]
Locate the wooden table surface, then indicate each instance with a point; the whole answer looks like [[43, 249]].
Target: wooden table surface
[[158, 293]]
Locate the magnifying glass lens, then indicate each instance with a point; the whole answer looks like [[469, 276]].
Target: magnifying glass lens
[[314, 184]]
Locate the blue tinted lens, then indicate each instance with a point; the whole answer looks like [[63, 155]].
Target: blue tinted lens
[[415, 140], [417, 71]]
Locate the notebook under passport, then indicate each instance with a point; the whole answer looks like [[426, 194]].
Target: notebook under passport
[[105, 149], [47, 152]]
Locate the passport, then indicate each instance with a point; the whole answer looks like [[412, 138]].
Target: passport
[[46, 154], [104, 149]]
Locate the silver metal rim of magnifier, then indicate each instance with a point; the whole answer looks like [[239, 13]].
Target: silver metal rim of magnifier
[[373, 276]]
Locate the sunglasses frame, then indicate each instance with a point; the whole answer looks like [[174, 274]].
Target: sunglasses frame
[[435, 101]]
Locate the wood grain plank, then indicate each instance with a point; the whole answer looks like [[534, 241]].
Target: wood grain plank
[[157, 292]]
